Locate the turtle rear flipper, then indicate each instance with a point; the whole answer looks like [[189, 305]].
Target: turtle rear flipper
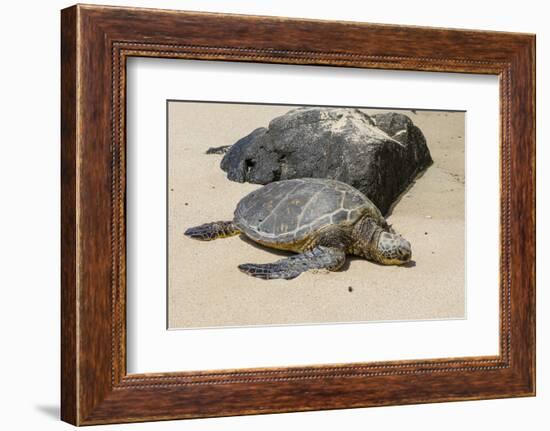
[[211, 231], [291, 267]]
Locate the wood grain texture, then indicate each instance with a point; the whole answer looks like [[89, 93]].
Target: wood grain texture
[[96, 41], [69, 367]]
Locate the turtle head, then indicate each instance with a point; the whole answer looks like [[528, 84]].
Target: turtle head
[[391, 249], [376, 241]]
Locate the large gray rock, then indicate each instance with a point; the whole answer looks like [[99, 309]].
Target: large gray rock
[[380, 155]]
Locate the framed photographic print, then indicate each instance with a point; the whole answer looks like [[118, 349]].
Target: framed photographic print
[[259, 216]]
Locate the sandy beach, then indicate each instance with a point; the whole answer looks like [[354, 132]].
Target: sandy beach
[[205, 288]]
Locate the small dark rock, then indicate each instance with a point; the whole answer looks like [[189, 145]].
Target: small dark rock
[[380, 154], [350, 289]]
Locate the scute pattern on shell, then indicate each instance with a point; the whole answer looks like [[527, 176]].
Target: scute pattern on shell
[[289, 211]]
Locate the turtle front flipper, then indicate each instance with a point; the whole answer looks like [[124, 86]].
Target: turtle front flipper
[[211, 231], [291, 267]]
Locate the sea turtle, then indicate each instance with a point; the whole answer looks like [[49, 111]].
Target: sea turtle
[[321, 219]]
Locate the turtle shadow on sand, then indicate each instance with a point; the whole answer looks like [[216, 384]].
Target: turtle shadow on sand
[[270, 250]]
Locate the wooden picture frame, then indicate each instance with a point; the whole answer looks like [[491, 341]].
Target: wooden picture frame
[[95, 43]]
